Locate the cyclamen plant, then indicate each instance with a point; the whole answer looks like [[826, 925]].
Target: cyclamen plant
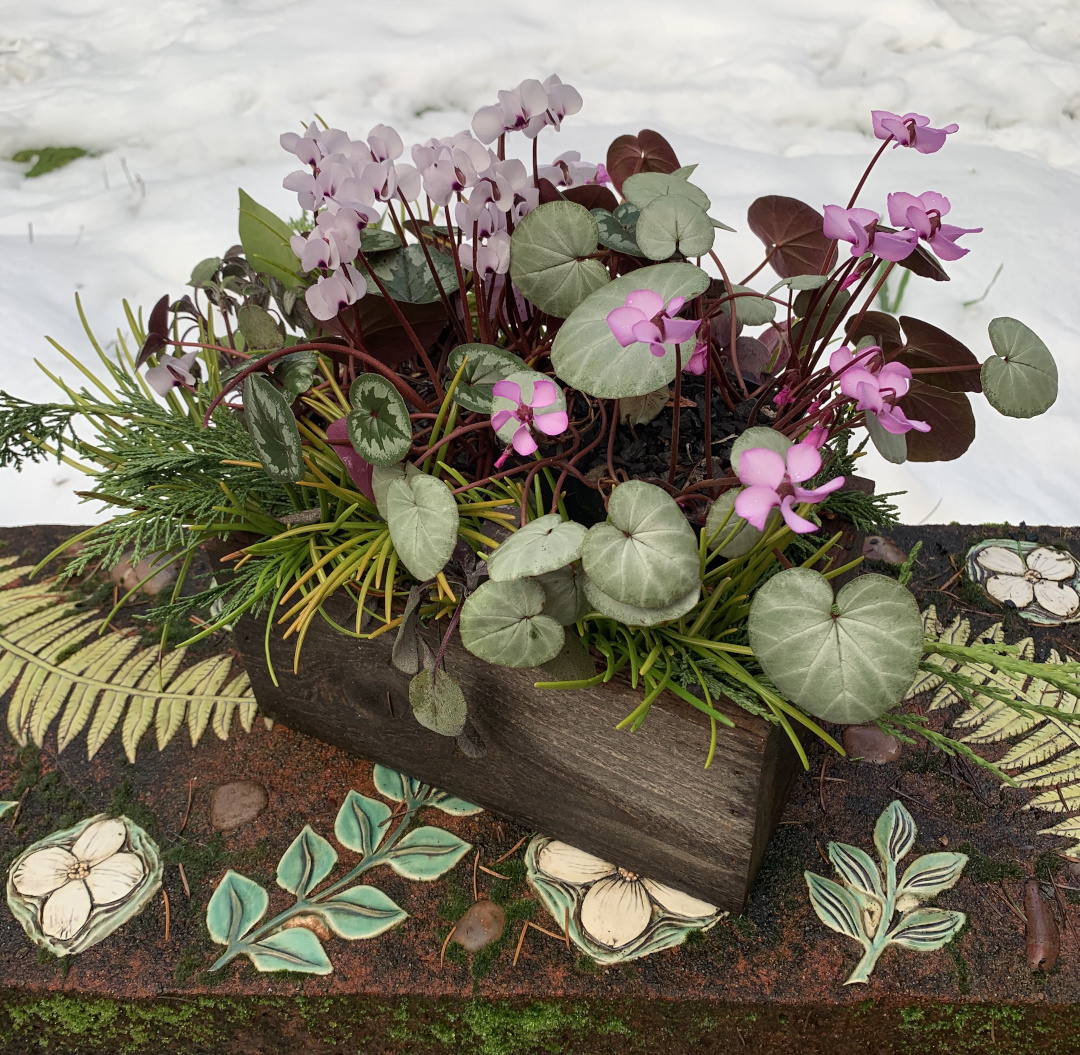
[[425, 395]]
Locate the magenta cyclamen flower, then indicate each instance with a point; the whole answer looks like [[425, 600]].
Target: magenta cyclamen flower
[[543, 395], [910, 130], [859, 227], [773, 480], [923, 213], [698, 360], [644, 318], [875, 386]]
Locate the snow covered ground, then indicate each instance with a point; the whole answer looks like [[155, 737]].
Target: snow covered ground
[[182, 102]]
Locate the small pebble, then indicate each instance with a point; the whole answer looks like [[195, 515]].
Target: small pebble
[[236, 804], [127, 575], [870, 744], [879, 547], [482, 924], [944, 840]]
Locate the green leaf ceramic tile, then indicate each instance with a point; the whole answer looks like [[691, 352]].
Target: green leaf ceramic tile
[[452, 805], [360, 912], [426, 853], [393, 785], [295, 949], [361, 823], [237, 905], [306, 863], [5, 806]]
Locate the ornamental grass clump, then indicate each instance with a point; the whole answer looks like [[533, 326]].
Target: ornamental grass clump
[[473, 392]]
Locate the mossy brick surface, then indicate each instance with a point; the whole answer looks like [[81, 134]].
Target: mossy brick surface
[[768, 980]]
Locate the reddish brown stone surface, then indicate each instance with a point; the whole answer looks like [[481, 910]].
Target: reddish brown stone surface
[[776, 956]]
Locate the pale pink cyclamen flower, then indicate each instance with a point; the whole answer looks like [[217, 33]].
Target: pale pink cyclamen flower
[[568, 170], [333, 293], [544, 395], [529, 108], [698, 359], [644, 318], [910, 130], [173, 371], [773, 480], [334, 241], [859, 227], [385, 144], [923, 213], [492, 257], [875, 386]]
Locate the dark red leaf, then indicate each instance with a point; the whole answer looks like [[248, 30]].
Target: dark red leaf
[[951, 421], [921, 262], [648, 151], [592, 196], [883, 328], [929, 347], [157, 330], [360, 469], [548, 191], [793, 229]]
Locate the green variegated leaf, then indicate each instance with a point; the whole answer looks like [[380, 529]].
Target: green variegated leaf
[[759, 436], [360, 912], [426, 853], [379, 426], [486, 365], [423, 520], [362, 822], [931, 874], [236, 906], [927, 929], [295, 949], [724, 525], [549, 252], [616, 233], [306, 863], [295, 373], [750, 311], [894, 833], [645, 554], [502, 623], [564, 594], [891, 446], [542, 545], [438, 703], [836, 907], [857, 868], [406, 276], [272, 428]]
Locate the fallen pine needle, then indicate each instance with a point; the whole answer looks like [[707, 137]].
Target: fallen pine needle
[[497, 875], [183, 879], [521, 939], [566, 927], [442, 955], [499, 860], [165, 895], [476, 862]]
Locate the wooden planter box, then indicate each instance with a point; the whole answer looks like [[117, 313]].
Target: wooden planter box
[[555, 761]]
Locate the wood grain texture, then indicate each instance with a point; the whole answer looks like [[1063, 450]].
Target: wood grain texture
[[555, 761]]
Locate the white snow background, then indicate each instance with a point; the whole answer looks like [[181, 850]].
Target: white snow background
[[183, 102]]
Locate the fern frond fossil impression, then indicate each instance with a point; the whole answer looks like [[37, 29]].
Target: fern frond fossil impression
[[1048, 755], [58, 666]]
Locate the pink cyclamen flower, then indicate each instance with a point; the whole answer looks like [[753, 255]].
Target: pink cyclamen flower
[[859, 227], [923, 213], [514, 111], [876, 387], [330, 295], [911, 130], [644, 318], [544, 394], [698, 360], [773, 480], [173, 371]]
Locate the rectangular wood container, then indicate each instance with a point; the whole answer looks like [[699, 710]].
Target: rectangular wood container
[[555, 761]]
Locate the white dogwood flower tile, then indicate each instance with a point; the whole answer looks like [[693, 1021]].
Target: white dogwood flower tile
[[1041, 582], [610, 913], [75, 887]]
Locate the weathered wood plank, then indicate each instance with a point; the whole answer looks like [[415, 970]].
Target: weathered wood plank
[[554, 759]]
